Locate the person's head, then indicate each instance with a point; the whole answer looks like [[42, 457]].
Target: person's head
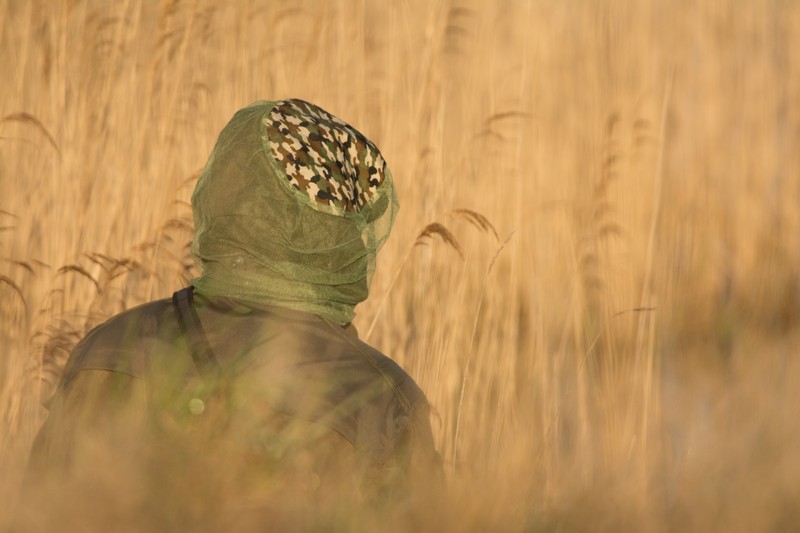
[[291, 210]]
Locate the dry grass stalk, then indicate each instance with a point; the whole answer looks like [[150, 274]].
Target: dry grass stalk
[[477, 220], [9, 282], [83, 272], [436, 229], [27, 118], [427, 233]]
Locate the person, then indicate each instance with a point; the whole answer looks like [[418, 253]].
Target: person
[[248, 395]]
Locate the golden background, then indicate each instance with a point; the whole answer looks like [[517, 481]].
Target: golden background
[[595, 271]]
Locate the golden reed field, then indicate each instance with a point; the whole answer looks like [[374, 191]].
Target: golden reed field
[[594, 274]]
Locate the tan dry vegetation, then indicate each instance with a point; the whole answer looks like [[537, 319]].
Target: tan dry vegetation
[[620, 353]]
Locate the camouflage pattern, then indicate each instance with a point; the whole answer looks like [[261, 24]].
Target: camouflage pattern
[[323, 156]]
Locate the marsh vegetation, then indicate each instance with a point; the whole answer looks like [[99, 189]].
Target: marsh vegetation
[[594, 274]]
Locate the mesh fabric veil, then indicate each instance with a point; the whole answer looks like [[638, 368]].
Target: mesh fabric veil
[[291, 209]]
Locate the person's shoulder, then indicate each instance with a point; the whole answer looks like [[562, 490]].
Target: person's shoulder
[[142, 317], [374, 361], [115, 345], [145, 320], [386, 419], [399, 378]]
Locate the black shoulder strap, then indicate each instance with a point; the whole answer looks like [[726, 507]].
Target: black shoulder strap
[[202, 354]]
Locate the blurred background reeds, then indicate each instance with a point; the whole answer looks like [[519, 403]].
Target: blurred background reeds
[[595, 271]]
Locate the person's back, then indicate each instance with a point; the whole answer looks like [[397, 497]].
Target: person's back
[[249, 397]]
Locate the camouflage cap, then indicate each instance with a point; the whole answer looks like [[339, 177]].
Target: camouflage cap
[[322, 156]]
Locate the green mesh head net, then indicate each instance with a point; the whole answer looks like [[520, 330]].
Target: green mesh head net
[[291, 210]]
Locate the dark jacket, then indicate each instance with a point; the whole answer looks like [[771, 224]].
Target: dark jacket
[[292, 397]]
